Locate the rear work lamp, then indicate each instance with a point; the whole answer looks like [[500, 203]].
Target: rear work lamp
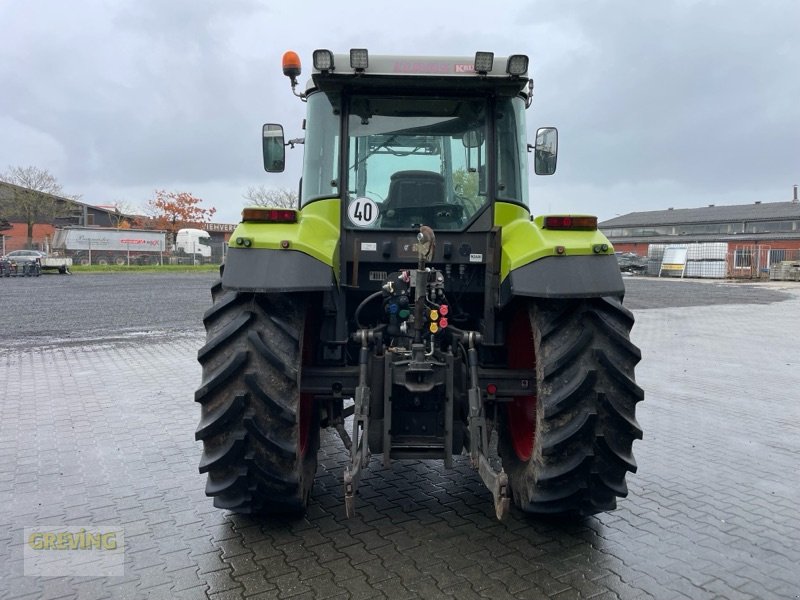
[[359, 59], [323, 60], [484, 61], [517, 64]]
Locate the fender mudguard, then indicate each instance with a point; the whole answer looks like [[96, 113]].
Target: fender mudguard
[[286, 257], [545, 263], [266, 270], [564, 277]]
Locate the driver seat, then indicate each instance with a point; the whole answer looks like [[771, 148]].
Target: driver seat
[[409, 189]]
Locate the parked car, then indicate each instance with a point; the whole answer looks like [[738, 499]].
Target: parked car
[[25, 256], [21, 263], [632, 263]]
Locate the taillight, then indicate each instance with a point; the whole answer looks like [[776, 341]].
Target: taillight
[[269, 215], [570, 222]]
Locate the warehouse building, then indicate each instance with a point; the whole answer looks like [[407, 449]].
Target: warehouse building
[[64, 212], [61, 212], [758, 240]]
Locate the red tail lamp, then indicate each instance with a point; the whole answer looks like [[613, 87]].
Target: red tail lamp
[[567, 222], [269, 215]]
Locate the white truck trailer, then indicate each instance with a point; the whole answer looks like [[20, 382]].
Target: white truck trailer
[[103, 246]]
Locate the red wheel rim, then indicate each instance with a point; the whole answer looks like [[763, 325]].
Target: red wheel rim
[[522, 409], [306, 410], [306, 404]]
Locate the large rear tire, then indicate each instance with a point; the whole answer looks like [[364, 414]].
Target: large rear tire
[[568, 448], [260, 435]]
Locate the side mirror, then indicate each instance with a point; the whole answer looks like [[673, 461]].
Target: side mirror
[[546, 151], [274, 148]]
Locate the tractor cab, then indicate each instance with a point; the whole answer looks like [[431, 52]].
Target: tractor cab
[[406, 141]]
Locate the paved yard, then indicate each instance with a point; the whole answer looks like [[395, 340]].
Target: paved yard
[[100, 431]]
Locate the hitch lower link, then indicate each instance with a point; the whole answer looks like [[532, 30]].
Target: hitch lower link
[[495, 480], [359, 448]]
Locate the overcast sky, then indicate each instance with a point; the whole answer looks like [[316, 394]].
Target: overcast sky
[[672, 103]]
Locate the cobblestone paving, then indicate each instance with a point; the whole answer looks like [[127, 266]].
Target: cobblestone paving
[[102, 434]]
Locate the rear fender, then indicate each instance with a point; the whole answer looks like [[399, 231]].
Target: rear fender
[[286, 257], [544, 263], [264, 270]]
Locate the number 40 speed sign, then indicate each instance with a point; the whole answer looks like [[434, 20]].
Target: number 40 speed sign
[[363, 212]]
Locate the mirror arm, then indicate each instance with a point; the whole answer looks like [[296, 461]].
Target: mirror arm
[[529, 98]]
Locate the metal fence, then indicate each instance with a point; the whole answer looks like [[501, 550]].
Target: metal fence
[[719, 260], [213, 253], [764, 262]]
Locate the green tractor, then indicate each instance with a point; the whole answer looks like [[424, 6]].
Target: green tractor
[[413, 291]]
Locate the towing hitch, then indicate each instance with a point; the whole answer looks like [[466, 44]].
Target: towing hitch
[[496, 480], [418, 373]]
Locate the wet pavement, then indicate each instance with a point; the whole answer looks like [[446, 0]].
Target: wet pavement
[[97, 428]]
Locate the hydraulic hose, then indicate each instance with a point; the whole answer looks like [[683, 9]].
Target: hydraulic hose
[[364, 302]]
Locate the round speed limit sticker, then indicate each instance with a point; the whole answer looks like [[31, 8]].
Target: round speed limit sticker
[[363, 212]]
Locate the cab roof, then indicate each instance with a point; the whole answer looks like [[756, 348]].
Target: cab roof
[[400, 73]]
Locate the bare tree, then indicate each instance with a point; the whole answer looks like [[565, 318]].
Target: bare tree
[[121, 217], [38, 197], [32, 178], [277, 197]]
